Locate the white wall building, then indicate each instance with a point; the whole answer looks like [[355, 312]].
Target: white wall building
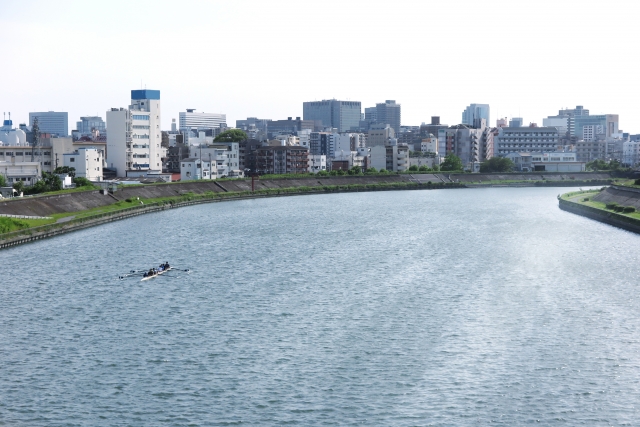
[[194, 168], [394, 158], [11, 136], [224, 155], [27, 172], [560, 123], [317, 163], [631, 153], [134, 136], [87, 162], [191, 120], [429, 145], [380, 134]]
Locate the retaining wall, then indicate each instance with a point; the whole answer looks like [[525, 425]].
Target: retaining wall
[[611, 218]]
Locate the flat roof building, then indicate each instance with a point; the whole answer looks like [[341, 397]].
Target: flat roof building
[[53, 122]]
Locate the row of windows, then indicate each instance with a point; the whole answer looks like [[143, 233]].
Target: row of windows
[[140, 127], [139, 117], [140, 136], [20, 153]]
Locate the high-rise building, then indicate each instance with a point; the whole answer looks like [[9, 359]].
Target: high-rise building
[[516, 122], [133, 137], [54, 122], [609, 123], [475, 112], [570, 115], [189, 119], [87, 125], [342, 115], [389, 113]]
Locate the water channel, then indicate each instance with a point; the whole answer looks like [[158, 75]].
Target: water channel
[[408, 308]]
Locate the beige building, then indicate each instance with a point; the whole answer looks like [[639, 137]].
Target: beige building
[[380, 135]]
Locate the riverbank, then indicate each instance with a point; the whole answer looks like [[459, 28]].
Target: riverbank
[[60, 213], [615, 205]]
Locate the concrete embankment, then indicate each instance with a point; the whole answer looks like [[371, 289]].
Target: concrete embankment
[[623, 196], [43, 206]]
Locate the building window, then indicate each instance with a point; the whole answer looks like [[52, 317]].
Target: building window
[[72, 159]]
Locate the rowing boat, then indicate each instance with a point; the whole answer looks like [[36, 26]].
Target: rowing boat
[[157, 274]]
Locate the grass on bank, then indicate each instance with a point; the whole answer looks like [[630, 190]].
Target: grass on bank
[[586, 198]]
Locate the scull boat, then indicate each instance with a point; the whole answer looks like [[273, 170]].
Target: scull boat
[[157, 274]]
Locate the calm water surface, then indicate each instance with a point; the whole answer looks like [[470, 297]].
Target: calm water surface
[[414, 308]]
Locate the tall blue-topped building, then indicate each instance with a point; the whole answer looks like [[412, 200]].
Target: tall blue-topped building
[[134, 136]]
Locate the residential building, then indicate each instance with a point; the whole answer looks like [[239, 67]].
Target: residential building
[[175, 154], [380, 134], [394, 158], [587, 151], [471, 144], [323, 143], [342, 115], [317, 163], [194, 168], [631, 153], [389, 113], [474, 112], [527, 139], [88, 163], [53, 122], [429, 144], [133, 139], [282, 160], [225, 155]]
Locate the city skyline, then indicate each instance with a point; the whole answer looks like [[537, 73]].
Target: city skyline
[[89, 72]]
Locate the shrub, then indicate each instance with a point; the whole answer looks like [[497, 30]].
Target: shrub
[[128, 200], [618, 208], [611, 205], [629, 209], [586, 199], [637, 182]]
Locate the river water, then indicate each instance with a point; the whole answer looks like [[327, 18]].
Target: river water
[[410, 308]]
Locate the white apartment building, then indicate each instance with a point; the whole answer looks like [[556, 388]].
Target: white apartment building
[[429, 145], [194, 168], [394, 158], [317, 163], [224, 155], [527, 139], [134, 136], [631, 153], [592, 133], [27, 172], [87, 162]]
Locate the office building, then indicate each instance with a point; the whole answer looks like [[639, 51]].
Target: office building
[[342, 115], [54, 122], [389, 113], [380, 134], [516, 122], [189, 119], [133, 140], [609, 123], [289, 126], [474, 112], [90, 126]]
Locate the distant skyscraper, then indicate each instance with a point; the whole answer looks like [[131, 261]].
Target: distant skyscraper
[[53, 122], [474, 112], [389, 113], [342, 115], [516, 122], [87, 124]]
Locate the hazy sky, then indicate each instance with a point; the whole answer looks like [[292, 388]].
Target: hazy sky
[[264, 58]]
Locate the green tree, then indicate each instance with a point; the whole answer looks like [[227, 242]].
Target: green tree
[[371, 171], [497, 164], [66, 169], [383, 171], [3, 182], [435, 168], [82, 182], [451, 163], [413, 168], [231, 135], [18, 186], [355, 170], [424, 168]]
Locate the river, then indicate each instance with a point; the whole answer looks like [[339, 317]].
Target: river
[[409, 308]]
